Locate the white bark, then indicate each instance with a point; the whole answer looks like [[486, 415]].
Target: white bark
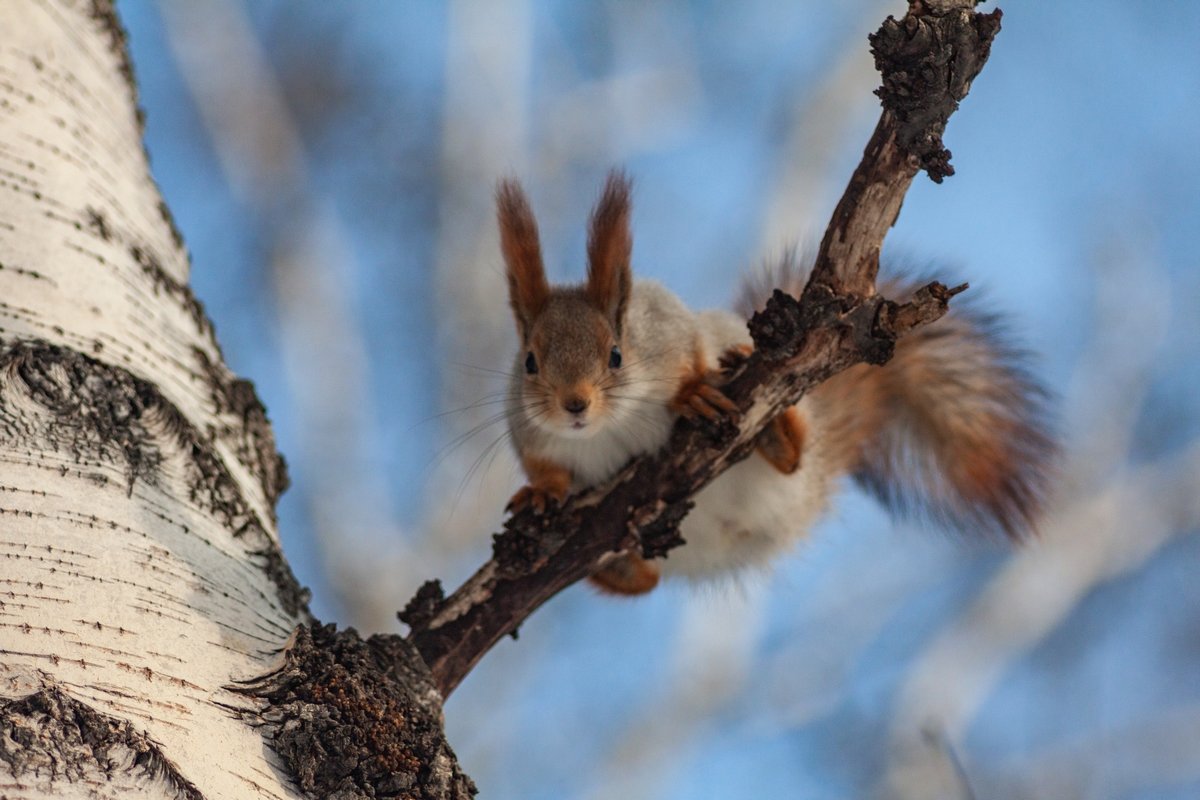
[[139, 567]]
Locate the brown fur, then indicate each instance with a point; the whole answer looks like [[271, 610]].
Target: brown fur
[[610, 246], [952, 426], [528, 290], [781, 443], [570, 339]]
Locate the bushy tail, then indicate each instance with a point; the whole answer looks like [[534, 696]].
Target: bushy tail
[[953, 427]]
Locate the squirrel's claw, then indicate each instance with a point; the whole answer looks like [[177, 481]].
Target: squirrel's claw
[[548, 485], [732, 358], [698, 398], [537, 497], [698, 395]]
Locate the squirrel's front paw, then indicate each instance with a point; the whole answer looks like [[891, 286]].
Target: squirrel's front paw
[[548, 485], [698, 397], [539, 497]]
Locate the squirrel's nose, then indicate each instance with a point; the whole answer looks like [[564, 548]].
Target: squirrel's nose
[[575, 405]]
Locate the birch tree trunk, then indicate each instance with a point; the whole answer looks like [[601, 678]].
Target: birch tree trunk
[[138, 477], [141, 581]]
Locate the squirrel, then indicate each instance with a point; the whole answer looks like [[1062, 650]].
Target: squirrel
[[952, 425]]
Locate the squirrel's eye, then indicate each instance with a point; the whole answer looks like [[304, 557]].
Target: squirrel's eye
[[614, 357], [530, 363]]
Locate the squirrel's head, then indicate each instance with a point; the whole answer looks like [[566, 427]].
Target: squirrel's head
[[571, 361]]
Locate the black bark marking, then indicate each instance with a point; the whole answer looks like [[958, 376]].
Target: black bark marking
[[252, 439], [104, 13], [106, 414], [98, 223], [358, 719], [165, 212], [28, 273], [96, 409], [928, 62], [50, 737], [423, 605], [177, 290]]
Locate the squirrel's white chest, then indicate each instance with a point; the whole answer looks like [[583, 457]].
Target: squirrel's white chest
[[597, 458]]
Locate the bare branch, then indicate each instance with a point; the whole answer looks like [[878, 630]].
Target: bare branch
[[928, 60], [837, 322]]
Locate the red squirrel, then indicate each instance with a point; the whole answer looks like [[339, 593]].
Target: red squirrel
[[952, 424]]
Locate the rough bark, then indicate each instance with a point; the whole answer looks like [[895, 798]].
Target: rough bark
[[355, 718], [928, 60], [53, 744]]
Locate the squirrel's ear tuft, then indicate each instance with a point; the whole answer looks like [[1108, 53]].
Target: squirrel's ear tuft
[[528, 290], [610, 245]]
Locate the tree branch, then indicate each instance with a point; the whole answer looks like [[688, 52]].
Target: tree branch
[[928, 60]]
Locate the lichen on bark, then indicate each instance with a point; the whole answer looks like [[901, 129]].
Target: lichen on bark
[[358, 719]]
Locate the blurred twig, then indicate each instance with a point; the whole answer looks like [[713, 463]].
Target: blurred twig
[[487, 89], [1158, 752], [817, 134]]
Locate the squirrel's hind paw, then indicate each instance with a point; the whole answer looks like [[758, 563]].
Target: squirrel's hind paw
[[627, 574], [782, 442]]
